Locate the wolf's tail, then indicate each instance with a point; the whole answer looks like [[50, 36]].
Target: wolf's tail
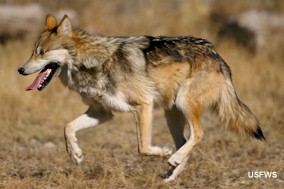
[[236, 114]]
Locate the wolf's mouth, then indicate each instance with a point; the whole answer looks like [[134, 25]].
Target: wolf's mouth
[[44, 77]]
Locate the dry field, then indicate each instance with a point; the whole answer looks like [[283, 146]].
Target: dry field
[[32, 148]]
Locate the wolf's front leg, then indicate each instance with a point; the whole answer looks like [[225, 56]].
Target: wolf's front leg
[[89, 119], [143, 117]]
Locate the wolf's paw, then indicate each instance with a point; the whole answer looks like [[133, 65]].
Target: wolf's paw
[[176, 159], [166, 151], [77, 156], [169, 179], [175, 170], [74, 152], [157, 151]]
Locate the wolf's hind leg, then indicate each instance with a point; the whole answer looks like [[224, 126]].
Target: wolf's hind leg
[[89, 119], [179, 159], [176, 122], [190, 101], [192, 113], [143, 118]]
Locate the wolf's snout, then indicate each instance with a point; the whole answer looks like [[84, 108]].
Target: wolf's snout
[[21, 70]]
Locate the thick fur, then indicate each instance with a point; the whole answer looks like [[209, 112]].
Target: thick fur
[[182, 75]]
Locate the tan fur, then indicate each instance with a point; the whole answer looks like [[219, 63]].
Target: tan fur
[[183, 75], [50, 23]]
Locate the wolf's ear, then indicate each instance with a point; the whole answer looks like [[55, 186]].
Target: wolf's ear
[[65, 27], [50, 22]]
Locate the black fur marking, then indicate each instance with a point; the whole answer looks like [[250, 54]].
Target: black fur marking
[[54, 30], [258, 134], [160, 47], [199, 41]]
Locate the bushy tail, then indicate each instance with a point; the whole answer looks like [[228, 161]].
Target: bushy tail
[[235, 114]]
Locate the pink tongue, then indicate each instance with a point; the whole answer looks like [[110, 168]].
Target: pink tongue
[[37, 81]]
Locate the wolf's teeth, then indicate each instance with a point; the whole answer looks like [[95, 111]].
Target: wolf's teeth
[[48, 71]]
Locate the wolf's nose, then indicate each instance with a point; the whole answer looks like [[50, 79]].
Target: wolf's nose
[[21, 70]]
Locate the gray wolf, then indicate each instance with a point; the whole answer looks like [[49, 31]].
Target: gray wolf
[[182, 75]]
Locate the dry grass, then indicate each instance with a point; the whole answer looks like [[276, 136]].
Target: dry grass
[[32, 149]]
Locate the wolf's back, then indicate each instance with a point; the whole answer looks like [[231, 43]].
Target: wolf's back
[[175, 49]]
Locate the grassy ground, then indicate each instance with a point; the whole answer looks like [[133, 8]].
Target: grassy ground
[[32, 148]]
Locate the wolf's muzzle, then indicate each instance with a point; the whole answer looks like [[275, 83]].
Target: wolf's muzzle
[[21, 70]]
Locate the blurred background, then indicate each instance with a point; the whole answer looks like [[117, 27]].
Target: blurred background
[[247, 34]]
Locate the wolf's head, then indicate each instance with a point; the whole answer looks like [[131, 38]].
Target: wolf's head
[[49, 53]]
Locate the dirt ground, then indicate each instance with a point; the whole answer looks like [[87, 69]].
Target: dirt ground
[[32, 148]]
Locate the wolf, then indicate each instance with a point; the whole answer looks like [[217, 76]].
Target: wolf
[[181, 74]]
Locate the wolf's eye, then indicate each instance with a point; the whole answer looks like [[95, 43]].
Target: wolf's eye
[[41, 52]]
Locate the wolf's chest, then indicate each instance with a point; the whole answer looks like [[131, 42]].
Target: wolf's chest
[[114, 102], [96, 88]]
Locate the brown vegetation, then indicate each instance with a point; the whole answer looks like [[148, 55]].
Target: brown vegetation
[[32, 148]]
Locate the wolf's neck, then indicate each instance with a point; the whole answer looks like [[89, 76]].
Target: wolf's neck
[[88, 53], [91, 51]]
